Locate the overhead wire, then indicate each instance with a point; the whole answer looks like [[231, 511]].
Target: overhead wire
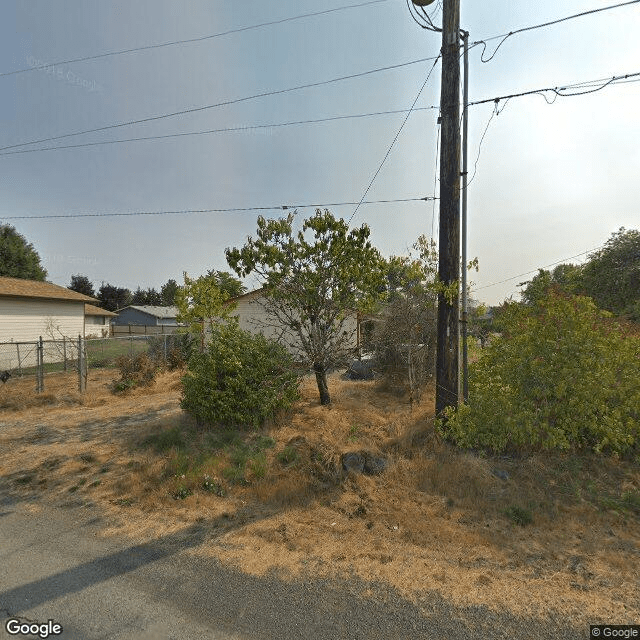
[[272, 125], [591, 86], [520, 275], [505, 36], [219, 210], [224, 103], [375, 175], [188, 40]]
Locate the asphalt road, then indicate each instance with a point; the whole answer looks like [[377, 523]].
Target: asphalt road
[[54, 566]]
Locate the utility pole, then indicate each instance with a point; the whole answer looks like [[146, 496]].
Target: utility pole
[[465, 146], [447, 382]]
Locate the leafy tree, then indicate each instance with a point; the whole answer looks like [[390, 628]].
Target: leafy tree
[[113, 298], [168, 293], [565, 277], [227, 283], [612, 275], [18, 258], [202, 304], [146, 297], [563, 375], [82, 284], [313, 282]]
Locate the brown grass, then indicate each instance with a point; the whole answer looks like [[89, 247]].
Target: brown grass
[[437, 519]]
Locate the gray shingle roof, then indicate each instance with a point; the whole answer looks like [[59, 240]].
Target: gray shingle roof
[[158, 312]]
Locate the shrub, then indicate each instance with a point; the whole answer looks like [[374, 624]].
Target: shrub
[[240, 380], [135, 371], [562, 376]]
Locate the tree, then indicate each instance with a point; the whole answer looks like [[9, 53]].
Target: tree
[[405, 332], [227, 283], [314, 282], [18, 258], [565, 277], [168, 293], [113, 298], [82, 284], [146, 297], [612, 275], [202, 304]]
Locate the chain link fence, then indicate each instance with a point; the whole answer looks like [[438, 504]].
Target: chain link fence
[[42, 358]]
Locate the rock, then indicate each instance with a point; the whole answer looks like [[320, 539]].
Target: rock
[[499, 473], [374, 465], [353, 462], [363, 462], [360, 370]]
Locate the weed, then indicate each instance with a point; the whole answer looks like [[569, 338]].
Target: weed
[[258, 465], [212, 485], [123, 502], [25, 479], [288, 455], [519, 515], [95, 483], [87, 457], [354, 433], [182, 492], [165, 440]]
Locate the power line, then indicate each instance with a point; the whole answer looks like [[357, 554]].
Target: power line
[[505, 36], [221, 130], [264, 94], [589, 86], [527, 273], [386, 155], [189, 40], [227, 210]]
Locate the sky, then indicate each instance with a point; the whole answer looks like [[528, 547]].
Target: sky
[[551, 181]]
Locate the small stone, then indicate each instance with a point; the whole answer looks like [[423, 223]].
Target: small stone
[[499, 473]]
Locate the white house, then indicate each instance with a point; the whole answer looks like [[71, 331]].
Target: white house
[[253, 317], [97, 321], [30, 309]]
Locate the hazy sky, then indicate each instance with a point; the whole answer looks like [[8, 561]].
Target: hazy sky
[[553, 180]]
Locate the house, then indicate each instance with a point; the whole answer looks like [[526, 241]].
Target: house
[[30, 309], [253, 317], [97, 321], [146, 319]]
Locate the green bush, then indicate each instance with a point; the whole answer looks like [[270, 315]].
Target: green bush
[[240, 380], [562, 376]]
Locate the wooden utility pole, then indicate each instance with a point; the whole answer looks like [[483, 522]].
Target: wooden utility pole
[[447, 382]]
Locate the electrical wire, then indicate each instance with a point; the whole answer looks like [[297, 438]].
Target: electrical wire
[[189, 40], [505, 36], [553, 264], [221, 130], [227, 210], [590, 86], [263, 94], [375, 175]]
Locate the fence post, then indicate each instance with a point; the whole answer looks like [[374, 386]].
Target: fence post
[[165, 350], [39, 366], [19, 361], [64, 351], [82, 364]]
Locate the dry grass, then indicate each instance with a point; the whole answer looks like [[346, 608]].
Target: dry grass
[[437, 519]]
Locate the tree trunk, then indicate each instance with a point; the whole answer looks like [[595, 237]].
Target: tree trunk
[[321, 379]]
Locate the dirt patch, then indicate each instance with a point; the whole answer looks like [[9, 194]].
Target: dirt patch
[[554, 534]]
